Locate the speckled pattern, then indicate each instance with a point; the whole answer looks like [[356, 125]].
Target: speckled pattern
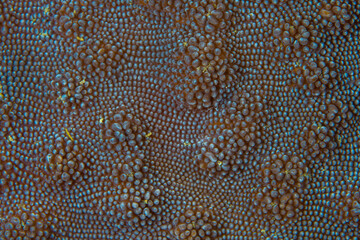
[[179, 119]]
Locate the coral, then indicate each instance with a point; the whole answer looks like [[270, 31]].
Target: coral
[[179, 119]]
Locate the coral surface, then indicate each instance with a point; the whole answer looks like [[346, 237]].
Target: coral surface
[[179, 119]]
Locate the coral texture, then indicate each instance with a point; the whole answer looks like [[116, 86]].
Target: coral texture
[[179, 119]]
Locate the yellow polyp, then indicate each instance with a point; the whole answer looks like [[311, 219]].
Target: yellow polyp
[[287, 171], [83, 81], [148, 135], [67, 132], [296, 69], [23, 206], [145, 201], [101, 120], [46, 10], [292, 30], [43, 34], [325, 13], [263, 231], [185, 44], [61, 99], [11, 139], [206, 68], [101, 51], [339, 139], [219, 163], [80, 39], [307, 175]]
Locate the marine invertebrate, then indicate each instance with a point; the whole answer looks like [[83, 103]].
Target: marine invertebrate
[[179, 119]]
